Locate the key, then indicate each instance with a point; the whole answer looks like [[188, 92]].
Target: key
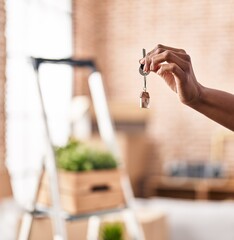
[[144, 96], [142, 66]]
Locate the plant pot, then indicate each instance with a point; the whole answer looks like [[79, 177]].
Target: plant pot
[[83, 192]]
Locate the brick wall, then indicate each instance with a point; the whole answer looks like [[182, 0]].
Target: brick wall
[[2, 81], [114, 33]]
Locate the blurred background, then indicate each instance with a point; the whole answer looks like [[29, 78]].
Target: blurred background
[[179, 162]]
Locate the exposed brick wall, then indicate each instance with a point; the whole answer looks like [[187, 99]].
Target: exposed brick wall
[[2, 81], [114, 33]]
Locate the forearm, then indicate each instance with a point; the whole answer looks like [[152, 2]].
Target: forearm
[[217, 105]]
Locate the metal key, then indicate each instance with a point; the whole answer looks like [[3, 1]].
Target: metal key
[[144, 96], [142, 66]]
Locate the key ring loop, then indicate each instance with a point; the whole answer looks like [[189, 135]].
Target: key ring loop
[[141, 70]]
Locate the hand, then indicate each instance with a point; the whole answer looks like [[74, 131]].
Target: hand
[[174, 66]]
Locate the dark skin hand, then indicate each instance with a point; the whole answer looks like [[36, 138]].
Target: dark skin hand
[[175, 67]]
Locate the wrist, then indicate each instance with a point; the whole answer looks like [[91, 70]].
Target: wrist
[[199, 99]]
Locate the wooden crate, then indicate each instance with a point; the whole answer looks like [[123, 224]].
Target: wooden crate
[[136, 152], [86, 191]]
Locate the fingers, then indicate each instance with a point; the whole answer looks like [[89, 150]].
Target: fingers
[[165, 54], [171, 48], [161, 48], [170, 67]]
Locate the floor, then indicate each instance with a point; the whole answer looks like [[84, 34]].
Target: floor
[[195, 220]]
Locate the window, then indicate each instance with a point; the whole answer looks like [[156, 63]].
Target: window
[[39, 28]]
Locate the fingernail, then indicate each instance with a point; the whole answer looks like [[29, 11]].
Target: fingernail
[[141, 61]]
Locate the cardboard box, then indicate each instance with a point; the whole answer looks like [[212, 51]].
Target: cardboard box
[[136, 153], [42, 229], [154, 224], [84, 192]]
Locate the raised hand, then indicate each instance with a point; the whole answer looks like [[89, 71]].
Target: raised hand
[[174, 66]]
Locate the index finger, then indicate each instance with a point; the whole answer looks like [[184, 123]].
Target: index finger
[[160, 46]]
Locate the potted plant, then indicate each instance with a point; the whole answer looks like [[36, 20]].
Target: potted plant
[[77, 156], [112, 231], [89, 179]]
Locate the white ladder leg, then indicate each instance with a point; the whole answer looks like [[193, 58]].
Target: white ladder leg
[[132, 224], [93, 228]]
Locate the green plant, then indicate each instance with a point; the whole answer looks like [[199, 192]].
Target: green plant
[[77, 156], [112, 231]]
